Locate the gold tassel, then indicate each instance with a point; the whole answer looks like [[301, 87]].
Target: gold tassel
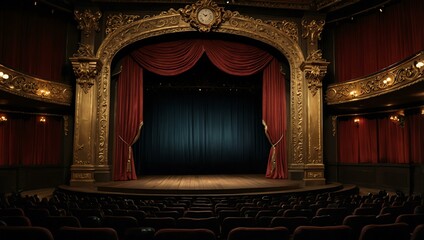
[[273, 159], [129, 160]]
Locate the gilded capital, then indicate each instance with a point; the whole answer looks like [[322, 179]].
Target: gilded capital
[[88, 21], [312, 30], [86, 67], [315, 68]]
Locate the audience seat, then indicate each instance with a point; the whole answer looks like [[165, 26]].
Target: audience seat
[[73, 233], [340, 232], [16, 221], [25, 233], [184, 234], [412, 220], [393, 231], [259, 233], [418, 233], [291, 223]]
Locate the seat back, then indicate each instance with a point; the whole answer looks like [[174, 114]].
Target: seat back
[[291, 223], [413, 220], [16, 221], [233, 222], [393, 231], [357, 222], [340, 232], [25, 233], [259, 233], [418, 233], [184, 234], [72, 233]]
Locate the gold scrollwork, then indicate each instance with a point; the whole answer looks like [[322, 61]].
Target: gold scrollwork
[[311, 174], [87, 21], [399, 76], [81, 175], [290, 28], [312, 30], [334, 125], [35, 88], [118, 20]]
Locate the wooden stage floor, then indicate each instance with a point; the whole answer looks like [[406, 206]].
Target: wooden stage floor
[[183, 185]]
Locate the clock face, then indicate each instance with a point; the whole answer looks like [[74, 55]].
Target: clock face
[[205, 16]]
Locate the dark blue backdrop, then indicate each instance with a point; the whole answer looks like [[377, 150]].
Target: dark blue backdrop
[[217, 130]]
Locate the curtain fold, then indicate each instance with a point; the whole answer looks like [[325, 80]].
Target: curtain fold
[[173, 58], [129, 118], [274, 119]]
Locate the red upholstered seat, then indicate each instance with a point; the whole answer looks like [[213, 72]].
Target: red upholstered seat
[[184, 234], [259, 233], [340, 232], [393, 231], [25, 233]]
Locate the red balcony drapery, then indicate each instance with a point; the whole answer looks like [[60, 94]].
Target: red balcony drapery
[[176, 57]]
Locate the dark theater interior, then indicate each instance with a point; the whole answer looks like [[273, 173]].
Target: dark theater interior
[[211, 120]]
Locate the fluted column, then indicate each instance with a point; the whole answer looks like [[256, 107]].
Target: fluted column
[[86, 69], [314, 69]]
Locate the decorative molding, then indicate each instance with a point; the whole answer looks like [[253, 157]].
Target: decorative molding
[[66, 125], [85, 66], [191, 13], [172, 21], [314, 174], [334, 125], [403, 74], [312, 30], [315, 68], [289, 28], [35, 88], [88, 21], [118, 20]]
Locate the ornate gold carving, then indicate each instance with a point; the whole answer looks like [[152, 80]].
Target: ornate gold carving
[[85, 67], [118, 20], [289, 28], [315, 69], [172, 21], [192, 14], [84, 50], [81, 175], [66, 125], [334, 124], [399, 76], [312, 30], [35, 88], [87, 21], [314, 174]]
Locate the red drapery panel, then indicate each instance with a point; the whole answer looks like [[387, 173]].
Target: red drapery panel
[[129, 118], [372, 42], [393, 142], [416, 133], [10, 141], [26, 141], [33, 41], [357, 141], [274, 119], [42, 141], [381, 140], [173, 58]]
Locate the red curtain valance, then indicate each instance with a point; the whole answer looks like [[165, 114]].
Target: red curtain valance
[[176, 57]]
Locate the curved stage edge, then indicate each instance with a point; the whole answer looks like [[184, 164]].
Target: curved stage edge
[[207, 185]]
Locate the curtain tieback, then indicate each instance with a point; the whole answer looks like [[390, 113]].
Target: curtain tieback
[[129, 154]]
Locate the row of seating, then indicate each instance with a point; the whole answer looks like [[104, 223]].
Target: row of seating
[[397, 231]]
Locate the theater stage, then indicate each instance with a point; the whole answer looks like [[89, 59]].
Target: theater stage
[[213, 185]]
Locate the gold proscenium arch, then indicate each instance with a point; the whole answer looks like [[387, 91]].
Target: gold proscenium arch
[[124, 30]]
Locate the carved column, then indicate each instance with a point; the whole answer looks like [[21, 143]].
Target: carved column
[[86, 68], [314, 69]]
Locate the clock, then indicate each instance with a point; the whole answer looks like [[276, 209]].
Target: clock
[[205, 16]]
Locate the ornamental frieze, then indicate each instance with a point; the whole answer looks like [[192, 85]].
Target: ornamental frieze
[[399, 76], [118, 20], [312, 30], [31, 87]]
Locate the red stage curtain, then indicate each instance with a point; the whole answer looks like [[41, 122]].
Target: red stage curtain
[[357, 142], [372, 42], [129, 118], [416, 133], [274, 119], [33, 41], [10, 141], [173, 58], [393, 142], [24, 140], [42, 141]]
